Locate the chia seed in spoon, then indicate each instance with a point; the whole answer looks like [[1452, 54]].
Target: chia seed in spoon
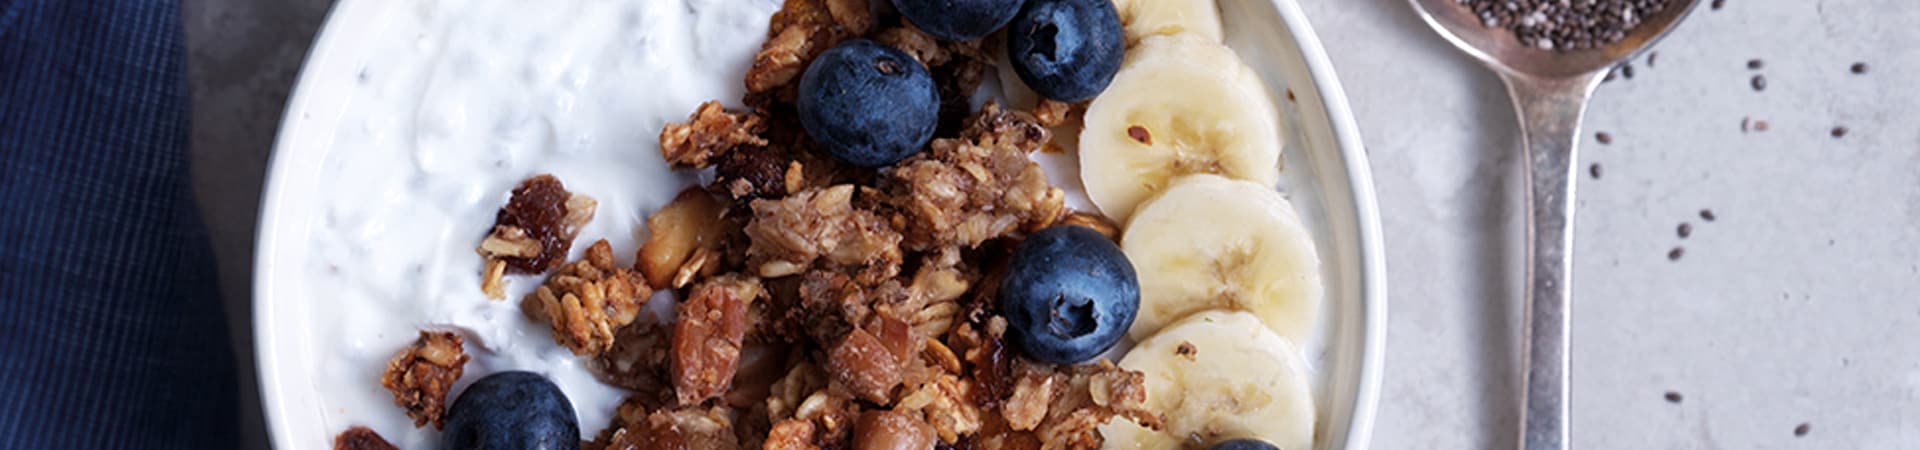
[[1565, 25]]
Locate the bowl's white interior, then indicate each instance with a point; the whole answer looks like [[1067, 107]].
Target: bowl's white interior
[[1326, 177]]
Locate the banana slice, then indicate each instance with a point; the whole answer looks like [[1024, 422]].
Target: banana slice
[[1142, 18], [1209, 242], [1180, 105], [1219, 375]]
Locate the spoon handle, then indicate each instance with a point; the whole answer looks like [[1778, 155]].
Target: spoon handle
[[1550, 112]]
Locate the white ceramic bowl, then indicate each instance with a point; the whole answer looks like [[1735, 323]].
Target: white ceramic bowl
[[1326, 176]]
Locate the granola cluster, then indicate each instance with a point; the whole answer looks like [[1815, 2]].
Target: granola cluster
[[825, 306], [421, 375], [588, 300]]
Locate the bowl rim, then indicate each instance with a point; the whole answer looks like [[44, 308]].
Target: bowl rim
[[1366, 209], [326, 49]]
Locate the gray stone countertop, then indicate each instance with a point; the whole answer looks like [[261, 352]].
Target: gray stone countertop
[[1799, 303]]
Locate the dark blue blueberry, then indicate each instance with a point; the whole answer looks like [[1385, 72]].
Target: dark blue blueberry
[[511, 411], [1243, 444], [871, 105], [1067, 50], [958, 20], [1069, 295]]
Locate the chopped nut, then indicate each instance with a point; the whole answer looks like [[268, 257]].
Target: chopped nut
[[533, 232], [361, 438], [945, 402], [708, 337], [421, 375], [692, 222], [1052, 113], [1031, 396], [791, 434], [493, 282], [710, 132], [587, 300], [891, 430], [862, 364]]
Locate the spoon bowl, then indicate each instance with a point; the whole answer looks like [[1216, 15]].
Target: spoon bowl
[[1550, 89], [1500, 49]]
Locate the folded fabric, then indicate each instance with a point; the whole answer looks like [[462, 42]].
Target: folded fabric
[[112, 334]]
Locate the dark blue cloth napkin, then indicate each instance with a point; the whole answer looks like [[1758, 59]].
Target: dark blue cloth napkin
[[111, 330]]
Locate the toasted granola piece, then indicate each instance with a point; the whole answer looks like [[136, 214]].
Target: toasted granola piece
[[710, 132], [533, 232], [1065, 406], [913, 41], [852, 15], [638, 361], [707, 338], [820, 224], [795, 35], [677, 429], [947, 403], [966, 191], [684, 240], [1095, 222], [361, 438], [588, 300], [421, 375]]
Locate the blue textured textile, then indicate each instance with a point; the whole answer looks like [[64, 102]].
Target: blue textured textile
[[111, 330]]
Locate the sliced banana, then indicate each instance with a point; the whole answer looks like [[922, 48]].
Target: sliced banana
[[1180, 105], [1142, 18], [1219, 375], [1209, 242]]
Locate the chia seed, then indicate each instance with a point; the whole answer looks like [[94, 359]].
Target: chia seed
[[1800, 431], [1603, 137], [1685, 230], [1839, 132], [1859, 68], [1676, 253], [1755, 64], [1759, 83], [1673, 397], [1562, 25]]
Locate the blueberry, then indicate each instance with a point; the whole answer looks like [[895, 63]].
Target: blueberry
[[1067, 50], [512, 410], [958, 20], [1069, 295], [1243, 444], [871, 105]]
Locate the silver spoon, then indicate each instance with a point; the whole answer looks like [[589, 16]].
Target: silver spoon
[[1550, 92]]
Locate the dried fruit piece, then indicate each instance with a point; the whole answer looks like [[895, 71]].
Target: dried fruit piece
[[533, 232], [361, 438]]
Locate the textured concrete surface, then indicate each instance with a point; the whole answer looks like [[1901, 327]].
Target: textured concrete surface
[[1797, 305]]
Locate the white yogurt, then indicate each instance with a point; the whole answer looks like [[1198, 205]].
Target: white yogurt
[[467, 98]]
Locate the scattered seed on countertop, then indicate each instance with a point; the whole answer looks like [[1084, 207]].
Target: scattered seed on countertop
[[1626, 70], [1673, 397], [1756, 64], [1594, 170], [1760, 125], [1719, 3], [1802, 429], [1706, 214], [1685, 230], [1603, 137], [1675, 254], [1759, 82], [1651, 57], [1611, 73], [1745, 123], [1859, 68], [1839, 132]]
